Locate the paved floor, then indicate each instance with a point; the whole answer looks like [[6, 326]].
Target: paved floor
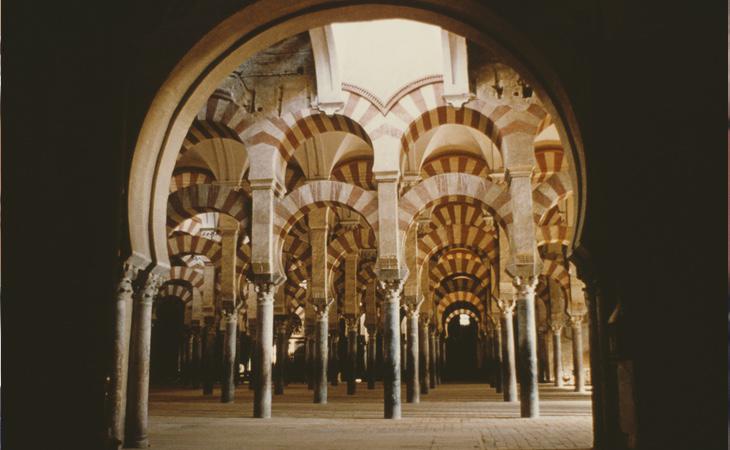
[[452, 416]]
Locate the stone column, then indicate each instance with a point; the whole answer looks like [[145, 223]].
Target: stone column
[[425, 355], [546, 340], [282, 344], [334, 358], [541, 355], [527, 339], [352, 326], [497, 351], [578, 372], [432, 356], [391, 350], [309, 357], [557, 328], [139, 365], [413, 388], [321, 350], [228, 385], [372, 339], [208, 355], [264, 347], [120, 355], [439, 366], [509, 375]]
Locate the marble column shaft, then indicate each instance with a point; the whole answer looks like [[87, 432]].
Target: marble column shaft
[[509, 375], [228, 382], [432, 357], [321, 355], [391, 350], [413, 388], [425, 356], [351, 356], [139, 366], [372, 339], [527, 340], [264, 348], [558, 354], [579, 373]]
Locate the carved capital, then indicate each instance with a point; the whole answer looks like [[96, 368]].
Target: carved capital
[[391, 289], [129, 274], [507, 307], [525, 286], [556, 327], [151, 286], [576, 321], [265, 292]]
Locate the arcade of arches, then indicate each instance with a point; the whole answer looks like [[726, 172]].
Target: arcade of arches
[[345, 219]]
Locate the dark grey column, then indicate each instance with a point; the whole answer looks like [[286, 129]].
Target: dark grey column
[[547, 369], [439, 366], [372, 339], [334, 358], [497, 350], [425, 355], [413, 386], [578, 372], [264, 348], [120, 357], [309, 357], [391, 350], [509, 376], [541, 356], [139, 365], [321, 353], [351, 355], [208, 356], [527, 339], [432, 356], [282, 343], [228, 381], [557, 353]]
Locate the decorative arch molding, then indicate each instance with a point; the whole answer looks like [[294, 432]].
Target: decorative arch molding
[[553, 234], [185, 244], [431, 190], [239, 36], [183, 292], [324, 193], [286, 133], [453, 313], [192, 200], [193, 276], [188, 177], [460, 299], [460, 163], [462, 235], [470, 284], [447, 267], [203, 130], [555, 269], [547, 194]]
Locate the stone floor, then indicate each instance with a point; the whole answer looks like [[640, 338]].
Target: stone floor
[[453, 416]]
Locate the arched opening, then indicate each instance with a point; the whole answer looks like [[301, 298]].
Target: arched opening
[[452, 176]]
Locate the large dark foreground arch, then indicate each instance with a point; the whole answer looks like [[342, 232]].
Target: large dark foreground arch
[[108, 60]]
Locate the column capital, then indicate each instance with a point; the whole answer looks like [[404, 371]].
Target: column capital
[[264, 292], [514, 172], [556, 326], [151, 286], [576, 320], [506, 306], [525, 285], [392, 289]]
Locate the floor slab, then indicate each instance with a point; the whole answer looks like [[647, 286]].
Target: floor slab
[[452, 416]]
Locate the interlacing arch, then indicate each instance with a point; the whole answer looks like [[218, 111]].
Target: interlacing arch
[[439, 187], [192, 200], [356, 171], [458, 312], [182, 291], [188, 177], [286, 133], [547, 194], [459, 235], [459, 297], [324, 193]]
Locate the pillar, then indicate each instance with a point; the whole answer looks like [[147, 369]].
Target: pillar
[[321, 350], [282, 344], [372, 338], [509, 376], [432, 356], [352, 326], [208, 356], [542, 363], [413, 388], [527, 341], [334, 358], [497, 351], [557, 329], [391, 350], [546, 340], [578, 372], [264, 347], [139, 365], [122, 332], [228, 385], [425, 355]]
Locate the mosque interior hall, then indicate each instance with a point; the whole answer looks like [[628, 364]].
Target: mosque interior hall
[[392, 225]]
